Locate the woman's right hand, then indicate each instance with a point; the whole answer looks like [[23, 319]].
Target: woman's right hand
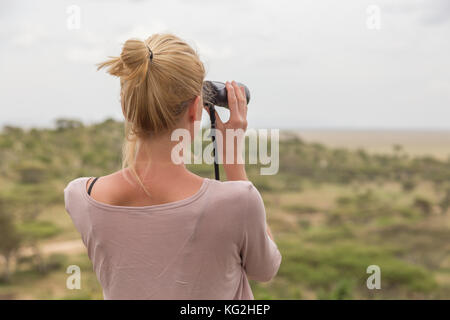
[[237, 103]]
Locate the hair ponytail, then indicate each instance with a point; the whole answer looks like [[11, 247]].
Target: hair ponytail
[[132, 63]]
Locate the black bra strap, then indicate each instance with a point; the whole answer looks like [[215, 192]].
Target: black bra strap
[[91, 185]]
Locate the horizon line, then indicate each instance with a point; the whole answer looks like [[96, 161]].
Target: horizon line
[[281, 128]]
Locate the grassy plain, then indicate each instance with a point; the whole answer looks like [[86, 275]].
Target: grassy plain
[[335, 207]]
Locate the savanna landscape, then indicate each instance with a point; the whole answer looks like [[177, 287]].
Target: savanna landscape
[[335, 208]]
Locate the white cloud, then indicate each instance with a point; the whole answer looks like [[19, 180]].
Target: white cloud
[[85, 55], [141, 31], [28, 34]]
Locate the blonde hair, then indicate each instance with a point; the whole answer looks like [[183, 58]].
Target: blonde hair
[[158, 78]]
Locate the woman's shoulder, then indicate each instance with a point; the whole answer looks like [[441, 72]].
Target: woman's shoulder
[[73, 194], [236, 201], [76, 184], [233, 186], [80, 185], [243, 191]]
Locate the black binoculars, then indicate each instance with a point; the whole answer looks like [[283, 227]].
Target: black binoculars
[[215, 93]]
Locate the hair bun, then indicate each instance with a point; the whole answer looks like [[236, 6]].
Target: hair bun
[[135, 57]]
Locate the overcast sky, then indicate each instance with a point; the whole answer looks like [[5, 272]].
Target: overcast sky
[[308, 64]]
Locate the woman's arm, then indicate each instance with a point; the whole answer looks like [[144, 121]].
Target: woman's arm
[[237, 103], [237, 172]]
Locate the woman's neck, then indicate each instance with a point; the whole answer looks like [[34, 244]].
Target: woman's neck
[[154, 159]]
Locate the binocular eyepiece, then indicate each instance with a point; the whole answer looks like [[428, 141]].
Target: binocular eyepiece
[[215, 93]]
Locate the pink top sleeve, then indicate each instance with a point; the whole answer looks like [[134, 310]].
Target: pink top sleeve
[[260, 256]]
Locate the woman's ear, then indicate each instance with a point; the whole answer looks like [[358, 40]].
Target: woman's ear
[[195, 109]]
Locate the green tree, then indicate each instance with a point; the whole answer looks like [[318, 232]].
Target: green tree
[[444, 204], [62, 124], [10, 239], [33, 232]]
